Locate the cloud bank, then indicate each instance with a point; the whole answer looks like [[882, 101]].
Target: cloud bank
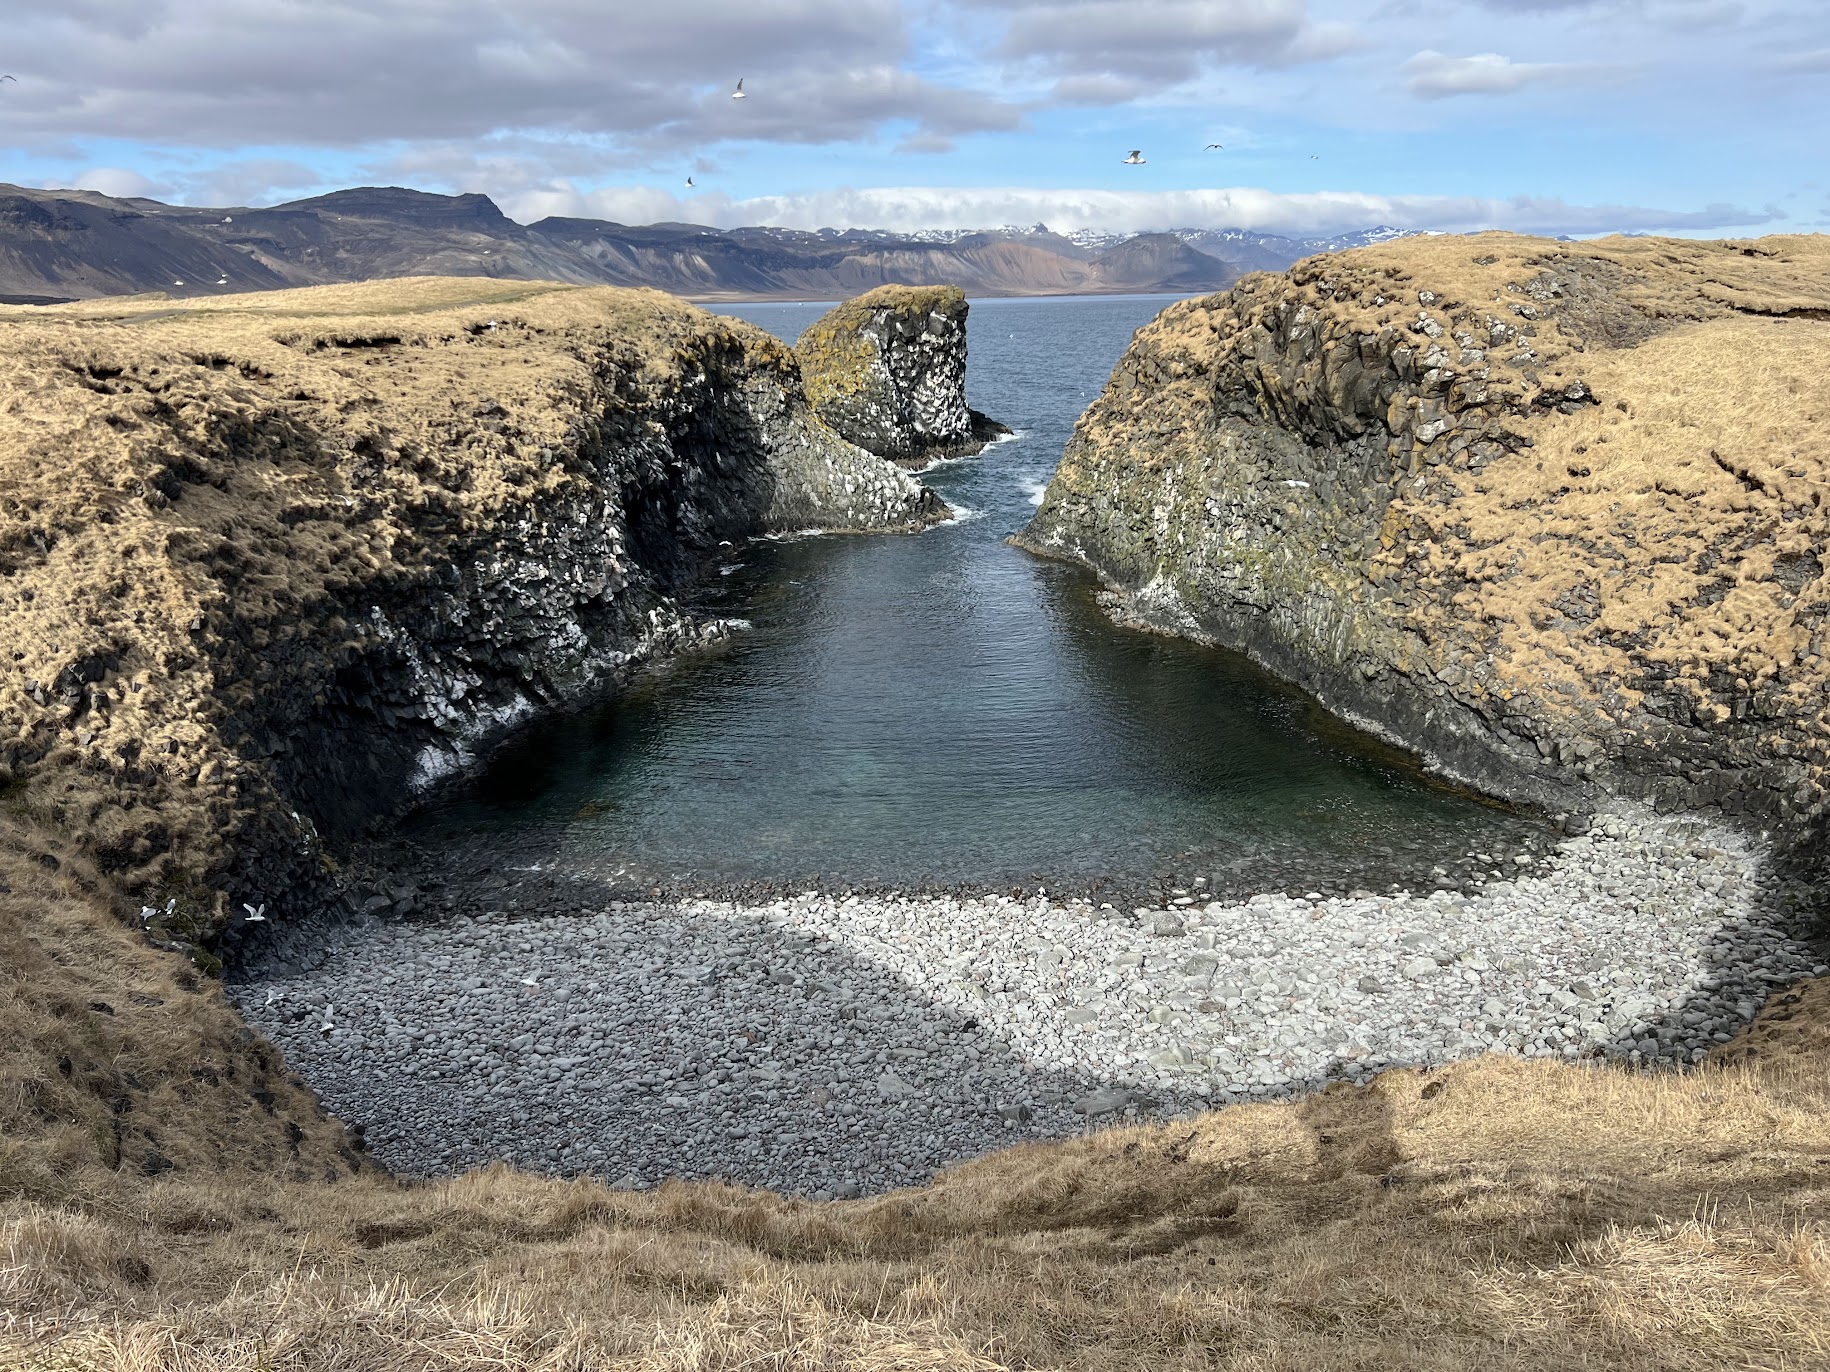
[[910, 208]]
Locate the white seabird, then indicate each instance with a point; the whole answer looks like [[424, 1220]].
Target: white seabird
[[256, 914], [1137, 158], [738, 93]]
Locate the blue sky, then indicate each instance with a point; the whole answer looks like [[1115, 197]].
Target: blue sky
[[1578, 116]]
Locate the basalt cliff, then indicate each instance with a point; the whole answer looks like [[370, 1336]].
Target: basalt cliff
[[1552, 514], [888, 371], [272, 565]]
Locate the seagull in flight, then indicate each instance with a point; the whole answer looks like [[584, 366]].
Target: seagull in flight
[[13, 79], [689, 183], [256, 914], [329, 1023], [1137, 158], [531, 979], [1211, 146], [738, 93]]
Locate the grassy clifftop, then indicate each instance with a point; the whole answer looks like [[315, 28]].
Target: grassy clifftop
[[1552, 512], [247, 542]]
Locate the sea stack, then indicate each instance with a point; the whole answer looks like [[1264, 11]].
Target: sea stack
[[887, 371]]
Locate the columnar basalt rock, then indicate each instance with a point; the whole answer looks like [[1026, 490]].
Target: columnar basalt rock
[[271, 566], [1552, 514], [887, 371]]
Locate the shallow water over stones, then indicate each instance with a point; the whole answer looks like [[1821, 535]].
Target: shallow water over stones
[[945, 709]]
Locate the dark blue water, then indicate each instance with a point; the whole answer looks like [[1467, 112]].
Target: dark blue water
[[945, 708]]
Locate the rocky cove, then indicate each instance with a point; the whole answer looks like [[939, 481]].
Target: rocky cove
[[388, 575]]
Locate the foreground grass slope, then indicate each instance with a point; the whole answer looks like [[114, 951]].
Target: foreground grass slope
[[171, 1198], [168, 1199]]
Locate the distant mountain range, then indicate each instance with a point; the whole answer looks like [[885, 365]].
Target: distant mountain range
[[61, 245]]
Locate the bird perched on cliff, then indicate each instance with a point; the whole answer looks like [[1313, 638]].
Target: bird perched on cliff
[[1137, 158], [738, 93], [256, 914]]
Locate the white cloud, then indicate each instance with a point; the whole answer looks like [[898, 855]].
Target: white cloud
[[1161, 40], [238, 73], [907, 208], [1432, 75], [118, 181]]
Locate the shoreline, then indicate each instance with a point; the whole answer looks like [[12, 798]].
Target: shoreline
[[834, 1045]]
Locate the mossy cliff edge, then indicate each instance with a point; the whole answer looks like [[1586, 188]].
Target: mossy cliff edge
[[1552, 514], [271, 564], [887, 370]]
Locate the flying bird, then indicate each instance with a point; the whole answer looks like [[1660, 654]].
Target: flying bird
[[328, 1024], [738, 93], [256, 914], [531, 979], [1137, 158], [1211, 146], [689, 183], [13, 79]]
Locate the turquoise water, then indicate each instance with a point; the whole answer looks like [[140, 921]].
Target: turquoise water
[[945, 708]]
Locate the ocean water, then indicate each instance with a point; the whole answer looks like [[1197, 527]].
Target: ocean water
[[946, 709]]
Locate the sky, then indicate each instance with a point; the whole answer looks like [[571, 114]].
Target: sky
[[1700, 117]]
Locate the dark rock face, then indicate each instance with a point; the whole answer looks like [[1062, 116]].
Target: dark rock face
[[1493, 513], [887, 371], [355, 551]]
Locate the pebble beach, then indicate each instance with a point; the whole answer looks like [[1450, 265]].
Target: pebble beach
[[836, 1045]]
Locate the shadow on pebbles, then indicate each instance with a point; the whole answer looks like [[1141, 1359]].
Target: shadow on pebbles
[[835, 1046]]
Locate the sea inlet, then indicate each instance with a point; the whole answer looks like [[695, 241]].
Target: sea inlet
[[945, 709]]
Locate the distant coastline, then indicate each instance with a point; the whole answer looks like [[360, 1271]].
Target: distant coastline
[[58, 245]]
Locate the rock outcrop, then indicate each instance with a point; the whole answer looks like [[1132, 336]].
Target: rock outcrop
[[1552, 514], [888, 372], [271, 565]]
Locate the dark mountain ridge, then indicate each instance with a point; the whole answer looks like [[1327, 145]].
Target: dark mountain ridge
[[57, 244]]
